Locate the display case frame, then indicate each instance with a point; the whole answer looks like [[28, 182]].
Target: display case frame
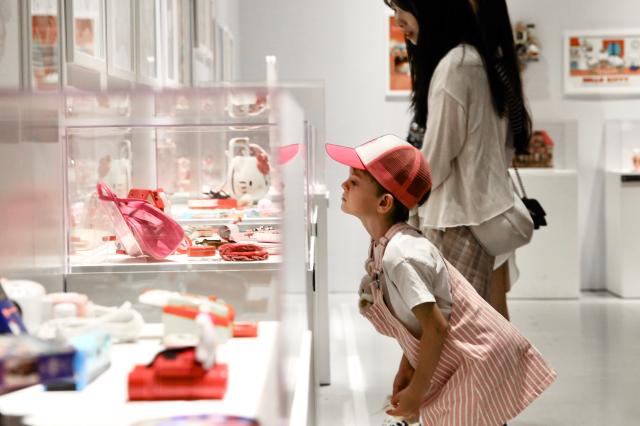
[[114, 69], [44, 60], [204, 58], [11, 44], [152, 60], [176, 22], [94, 25]]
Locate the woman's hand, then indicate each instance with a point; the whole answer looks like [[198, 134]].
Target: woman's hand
[[403, 376], [406, 403]]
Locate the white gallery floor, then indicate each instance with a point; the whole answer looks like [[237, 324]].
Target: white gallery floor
[[593, 343]]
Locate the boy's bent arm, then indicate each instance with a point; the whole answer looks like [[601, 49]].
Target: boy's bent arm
[[434, 331]]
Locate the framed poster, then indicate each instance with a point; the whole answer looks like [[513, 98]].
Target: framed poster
[[398, 67], [148, 46], [44, 22], [120, 39], [602, 63], [10, 58], [86, 35]]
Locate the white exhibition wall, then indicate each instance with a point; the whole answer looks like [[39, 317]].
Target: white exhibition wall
[[343, 44]]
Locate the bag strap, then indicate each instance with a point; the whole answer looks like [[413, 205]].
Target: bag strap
[[105, 193], [524, 193]]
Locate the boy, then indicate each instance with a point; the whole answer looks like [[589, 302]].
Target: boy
[[463, 363]]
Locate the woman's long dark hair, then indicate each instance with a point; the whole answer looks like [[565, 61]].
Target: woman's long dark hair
[[444, 24]]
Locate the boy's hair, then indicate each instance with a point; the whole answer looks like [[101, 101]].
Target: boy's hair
[[400, 212]]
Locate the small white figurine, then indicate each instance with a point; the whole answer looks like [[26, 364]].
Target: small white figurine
[[206, 349]]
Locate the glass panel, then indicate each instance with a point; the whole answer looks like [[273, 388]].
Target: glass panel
[[148, 42], [184, 41], [171, 40], [10, 44], [45, 45], [88, 27], [123, 34]]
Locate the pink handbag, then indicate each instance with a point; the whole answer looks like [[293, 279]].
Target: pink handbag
[[141, 228]]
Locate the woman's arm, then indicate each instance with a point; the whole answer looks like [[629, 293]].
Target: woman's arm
[[446, 134], [434, 331]]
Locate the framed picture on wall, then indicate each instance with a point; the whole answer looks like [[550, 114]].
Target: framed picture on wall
[[398, 68], [44, 29], [86, 35], [121, 39], [10, 58], [602, 63]]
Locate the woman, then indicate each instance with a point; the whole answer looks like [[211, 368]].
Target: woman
[[467, 92]]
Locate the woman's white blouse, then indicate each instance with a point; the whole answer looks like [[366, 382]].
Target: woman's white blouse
[[465, 145]]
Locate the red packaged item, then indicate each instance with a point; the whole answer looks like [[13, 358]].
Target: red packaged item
[[243, 252], [245, 329], [175, 374], [209, 203]]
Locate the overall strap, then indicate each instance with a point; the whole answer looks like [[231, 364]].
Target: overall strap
[[376, 250]]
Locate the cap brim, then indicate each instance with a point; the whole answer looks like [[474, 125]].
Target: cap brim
[[345, 155], [287, 152]]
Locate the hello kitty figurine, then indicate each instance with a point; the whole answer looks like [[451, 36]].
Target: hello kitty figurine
[[248, 176]]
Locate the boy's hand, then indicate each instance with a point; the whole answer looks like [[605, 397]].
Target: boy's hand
[[406, 403], [403, 377]]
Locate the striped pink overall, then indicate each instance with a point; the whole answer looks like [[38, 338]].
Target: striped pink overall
[[488, 372]]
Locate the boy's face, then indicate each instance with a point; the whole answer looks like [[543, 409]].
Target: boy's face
[[360, 194]]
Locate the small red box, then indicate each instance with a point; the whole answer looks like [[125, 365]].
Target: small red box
[[175, 374]]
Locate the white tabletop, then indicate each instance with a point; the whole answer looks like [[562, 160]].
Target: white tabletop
[[251, 392]]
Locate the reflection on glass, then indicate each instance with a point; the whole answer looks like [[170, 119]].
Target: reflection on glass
[[123, 34], [171, 41], [45, 53], [9, 40], [148, 62], [87, 27], [184, 41]]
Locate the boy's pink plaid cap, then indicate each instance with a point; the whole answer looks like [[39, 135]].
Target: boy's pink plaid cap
[[396, 164]]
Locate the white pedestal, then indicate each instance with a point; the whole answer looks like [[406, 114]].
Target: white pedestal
[[549, 265], [622, 217], [252, 390]]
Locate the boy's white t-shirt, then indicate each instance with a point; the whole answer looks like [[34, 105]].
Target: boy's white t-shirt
[[414, 273]]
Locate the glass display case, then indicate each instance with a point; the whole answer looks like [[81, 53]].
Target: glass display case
[[121, 39], [553, 146], [228, 164], [623, 146], [622, 206]]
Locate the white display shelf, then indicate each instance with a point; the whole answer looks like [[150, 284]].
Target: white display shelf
[[622, 210], [117, 263], [549, 265], [245, 223], [251, 392]]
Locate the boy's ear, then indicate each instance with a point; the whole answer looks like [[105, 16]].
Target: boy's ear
[[385, 204]]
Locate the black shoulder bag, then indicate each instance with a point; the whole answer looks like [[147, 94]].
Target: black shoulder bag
[[535, 208]]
